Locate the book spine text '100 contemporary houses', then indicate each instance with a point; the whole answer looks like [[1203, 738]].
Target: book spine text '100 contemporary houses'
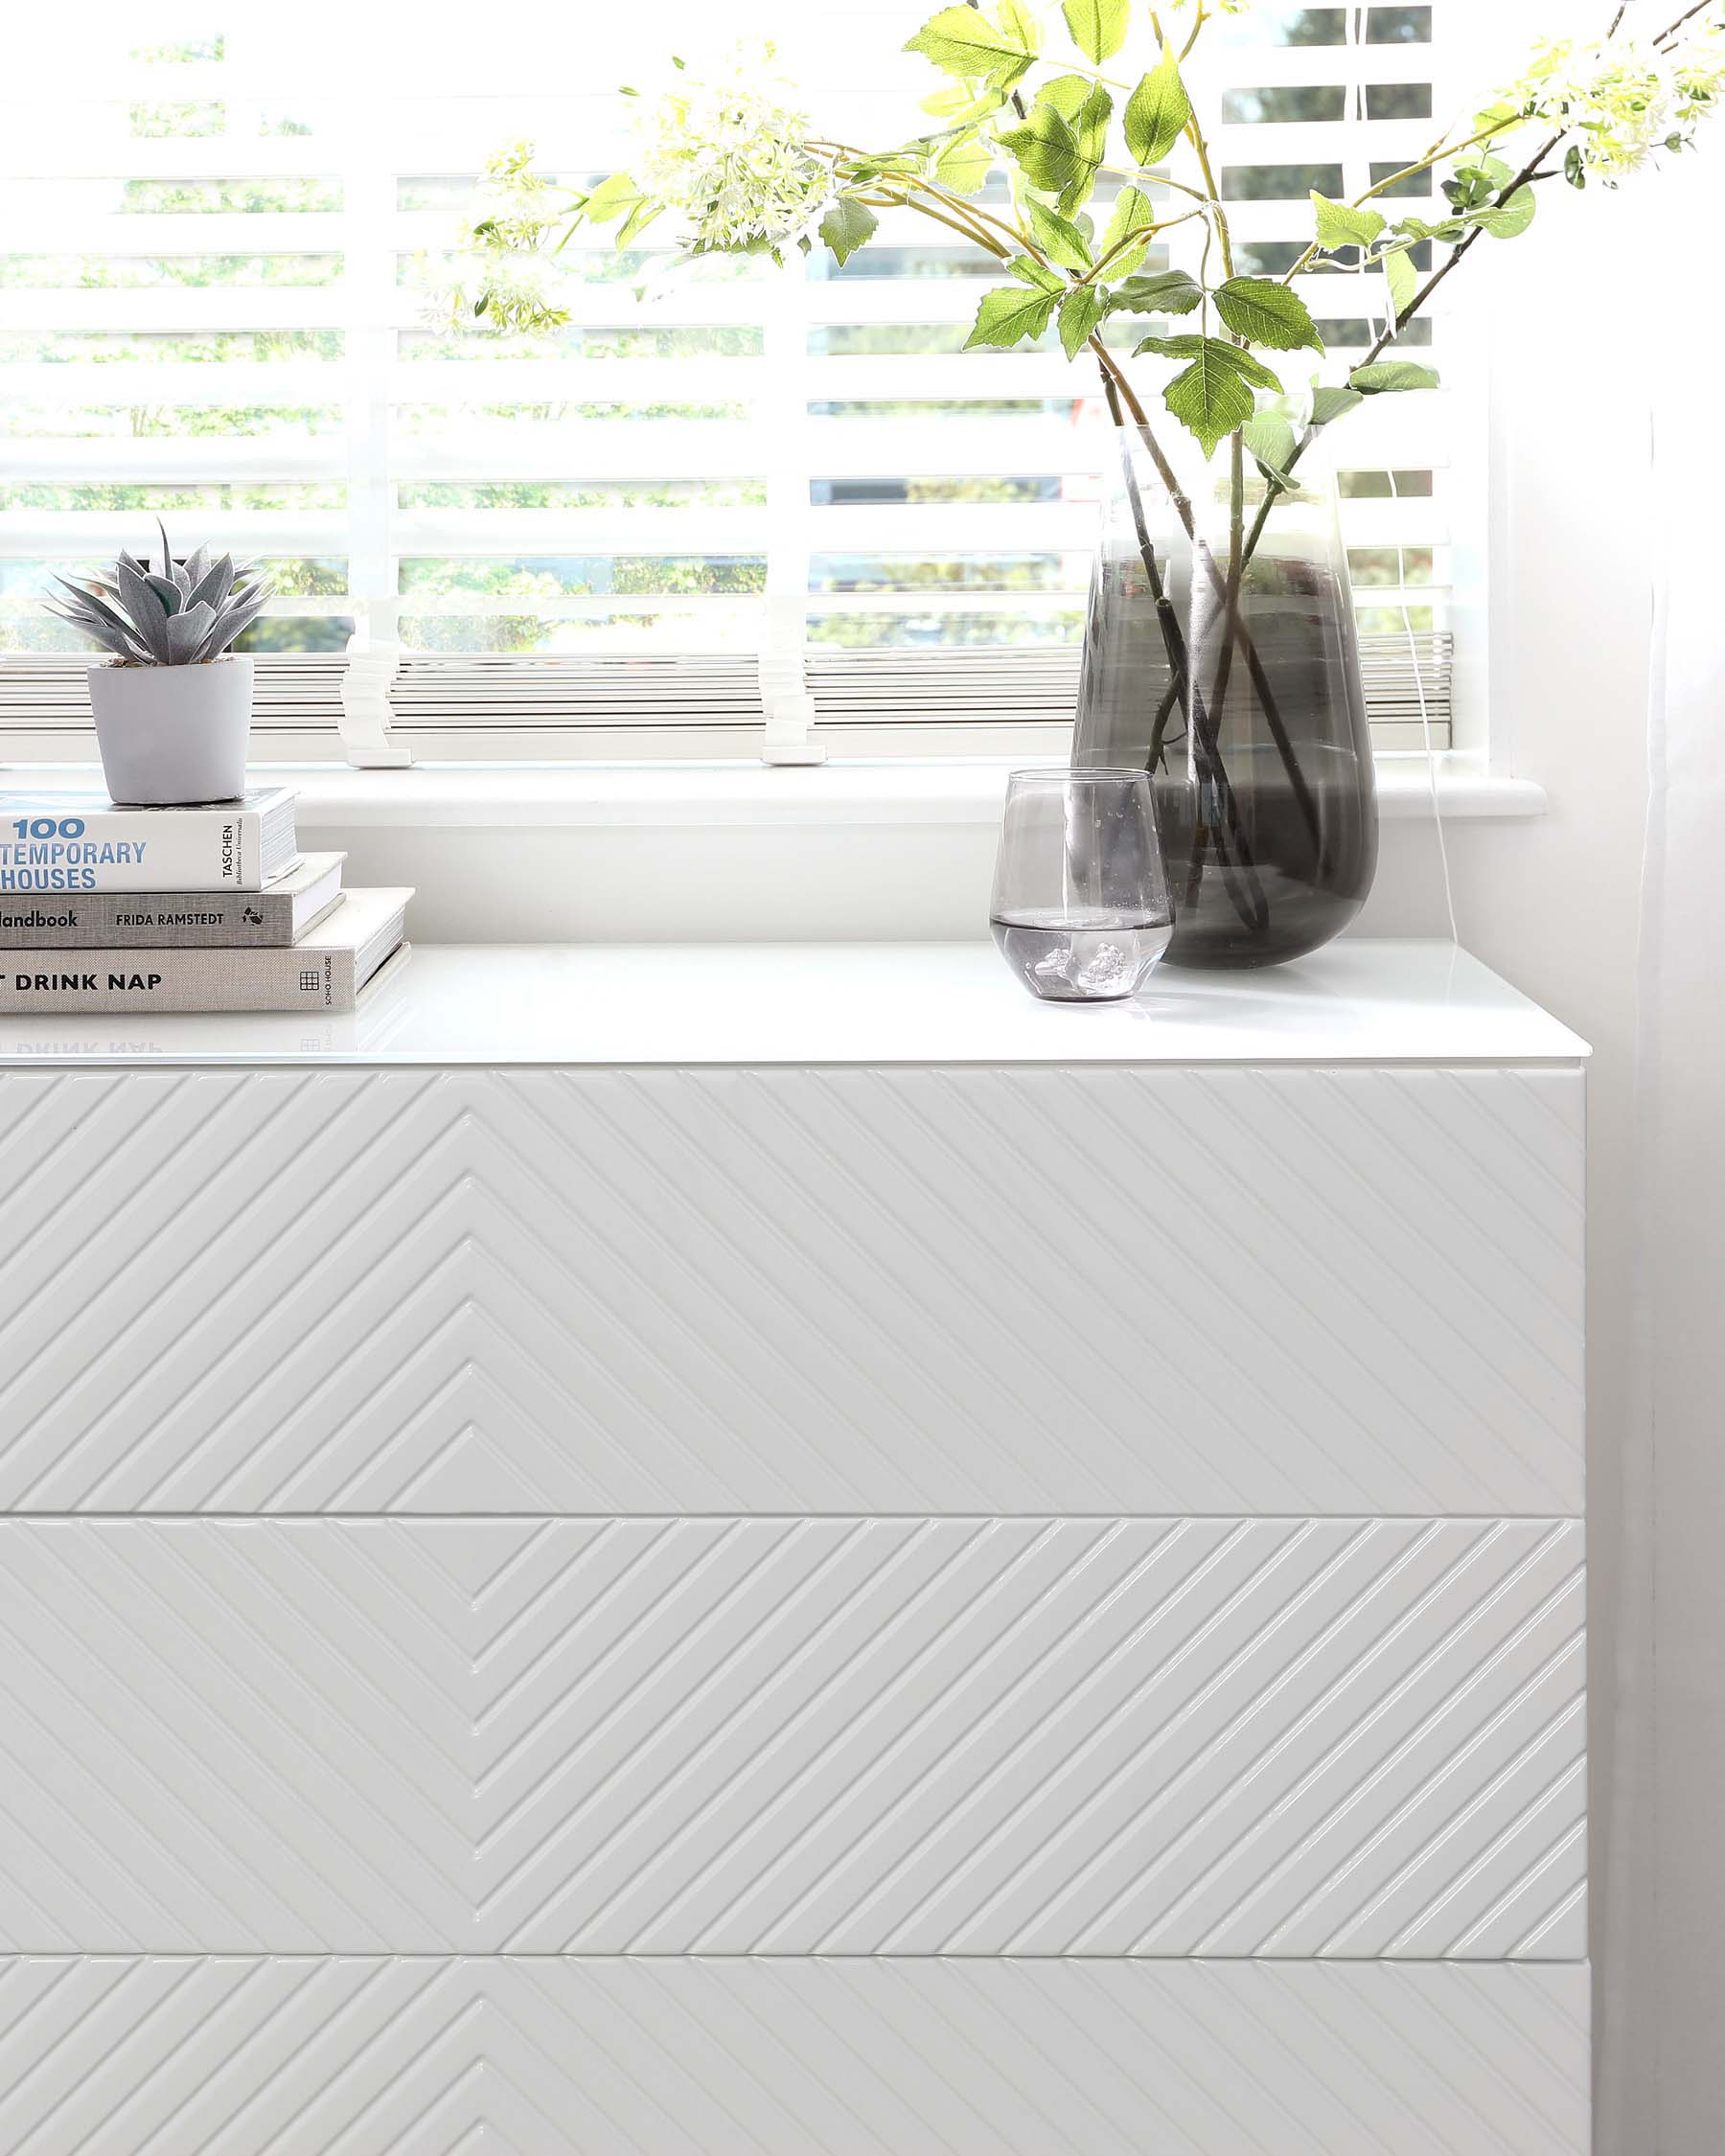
[[67, 844]]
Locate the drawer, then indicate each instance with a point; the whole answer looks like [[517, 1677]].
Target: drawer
[[1024, 1290], [959, 1736], [255, 2057]]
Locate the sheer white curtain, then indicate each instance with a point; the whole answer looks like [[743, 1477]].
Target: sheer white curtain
[[1662, 2041]]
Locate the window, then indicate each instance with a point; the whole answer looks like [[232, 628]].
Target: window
[[755, 501]]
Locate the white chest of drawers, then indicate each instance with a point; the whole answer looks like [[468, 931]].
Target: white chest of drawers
[[782, 1550]]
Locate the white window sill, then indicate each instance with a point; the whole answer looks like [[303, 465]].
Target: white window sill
[[969, 792], [736, 852]]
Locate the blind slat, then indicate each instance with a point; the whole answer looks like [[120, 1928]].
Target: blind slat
[[686, 482]]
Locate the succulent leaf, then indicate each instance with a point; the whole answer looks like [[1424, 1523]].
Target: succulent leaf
[[145, 612], [235, 619], [214, 583], [92, 613], [184, 614], [186, 633], [111, 640]]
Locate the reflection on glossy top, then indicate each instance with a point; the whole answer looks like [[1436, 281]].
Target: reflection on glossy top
[[1358, 1000]]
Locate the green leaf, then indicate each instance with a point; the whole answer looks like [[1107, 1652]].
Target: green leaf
[[1080, 311], [1156, 112], [1416, 228], [1098, 27], [1470, 187], [1065, 93], [963, 166], [961, 104], [1009, 315], [967, 43], [1133, 212], [1330, 404], [1090, 130], [891, 165], [953, 101], [1267, 313], [1062, 242], [1387, 374], [1214, 395], [1020, 21], [1058, 154], [1499, 118], [847, 225], [1270, 438], [1404, 283], [1189, 346], [1340, 225], [1046, 150], [1210, 399], [643, 213], [1169, 291], [1029, 271], [1509, 219], [616, 194]]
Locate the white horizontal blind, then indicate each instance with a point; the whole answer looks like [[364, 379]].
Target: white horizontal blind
[[218, 232]]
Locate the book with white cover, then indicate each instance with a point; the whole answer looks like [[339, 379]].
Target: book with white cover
[[172, 920], [324, 971], [83, 841]]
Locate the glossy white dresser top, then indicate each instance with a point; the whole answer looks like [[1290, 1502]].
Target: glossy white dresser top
[[1360, 1001]]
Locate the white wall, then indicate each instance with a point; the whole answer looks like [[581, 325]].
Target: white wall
[[1554, 905]]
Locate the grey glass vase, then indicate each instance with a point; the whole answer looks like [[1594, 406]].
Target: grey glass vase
[[1221, 656]]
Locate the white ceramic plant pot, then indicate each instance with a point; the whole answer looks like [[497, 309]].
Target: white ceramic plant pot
[[171, 735]]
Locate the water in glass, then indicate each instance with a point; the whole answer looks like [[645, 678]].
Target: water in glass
[[1081, 910]]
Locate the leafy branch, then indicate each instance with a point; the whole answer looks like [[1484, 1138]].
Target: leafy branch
[[1054, 100], [1042, 94]]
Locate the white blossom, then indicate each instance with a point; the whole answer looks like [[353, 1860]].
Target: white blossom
[[500, 277], [1698, 71], [725, 154], [1616, 99]]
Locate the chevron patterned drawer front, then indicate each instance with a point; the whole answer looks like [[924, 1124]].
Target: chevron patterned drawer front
[[896, 1611], [793, 1290], [819, 1737], [236, 2056]]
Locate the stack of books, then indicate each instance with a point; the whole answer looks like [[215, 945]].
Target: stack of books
[[211, 908]]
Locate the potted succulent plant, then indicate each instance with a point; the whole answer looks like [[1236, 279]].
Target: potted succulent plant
[[173, 705]]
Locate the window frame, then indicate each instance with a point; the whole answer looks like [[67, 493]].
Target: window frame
[[788, 729]]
